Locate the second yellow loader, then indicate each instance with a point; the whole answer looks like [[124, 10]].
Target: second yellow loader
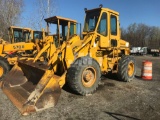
[[20, 44], [26, 43]]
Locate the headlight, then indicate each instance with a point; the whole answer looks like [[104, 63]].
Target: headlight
[[127, 44]]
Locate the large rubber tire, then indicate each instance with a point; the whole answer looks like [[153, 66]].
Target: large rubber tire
[[84, 75], [126, 68], [4, 67]]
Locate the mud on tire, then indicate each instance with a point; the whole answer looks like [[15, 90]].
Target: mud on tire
[[126, 68], [84, 75]]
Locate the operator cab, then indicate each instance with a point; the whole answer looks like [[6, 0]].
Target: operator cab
[[64, 28], [18, 34], [39, 35], [104, 23]]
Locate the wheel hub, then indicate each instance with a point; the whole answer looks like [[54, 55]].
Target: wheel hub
[[130, 69], [88, 77]]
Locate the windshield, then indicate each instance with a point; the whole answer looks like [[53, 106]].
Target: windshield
[[38, 35], [72, 29], [26, 36], [17, 34], [91, 21]]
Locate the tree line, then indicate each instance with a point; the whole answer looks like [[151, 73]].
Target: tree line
[[139, 35], [142, 35], [11, 14], [10, 11]]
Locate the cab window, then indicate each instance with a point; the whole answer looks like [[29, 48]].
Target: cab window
[[38, 35], [18, 36], [102, 28], [91, 21], [72, 29], [113, 25]]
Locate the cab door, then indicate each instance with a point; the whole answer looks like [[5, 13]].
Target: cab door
[[102, 31], [114, 30]]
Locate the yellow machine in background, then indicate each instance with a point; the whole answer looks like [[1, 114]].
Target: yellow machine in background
[[19, 34], [25, 42], [64, 28], [20, 40], [19, 44], [33, 85]]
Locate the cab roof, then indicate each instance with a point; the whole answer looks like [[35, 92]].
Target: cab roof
[[62, 20], [105, 9], [20, 28]]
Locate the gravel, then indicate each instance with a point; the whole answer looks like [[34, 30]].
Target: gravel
[[114, 100]]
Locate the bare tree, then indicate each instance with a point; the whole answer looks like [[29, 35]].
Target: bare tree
[[42, 10], [130, 34], [154, 37], [141, 35], [9, 14]]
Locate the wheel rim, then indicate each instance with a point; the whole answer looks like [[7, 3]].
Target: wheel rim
[[130, 69], [1, 71], [89, 77]]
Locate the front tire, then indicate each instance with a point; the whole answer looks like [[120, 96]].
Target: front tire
[[84, 75], [4, 67], [126, 68]]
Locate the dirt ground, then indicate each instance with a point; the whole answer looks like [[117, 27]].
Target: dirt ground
[[115, 100]]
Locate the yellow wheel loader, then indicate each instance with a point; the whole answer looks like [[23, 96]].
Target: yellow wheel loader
[[26, 42], [19, 45], [19, 34], [64, 27], [33, 85]]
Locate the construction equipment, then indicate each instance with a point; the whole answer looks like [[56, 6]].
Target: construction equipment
[[65, 28], [19, 45], [20, 40], [26, 42], [33, 85], [19, 34]]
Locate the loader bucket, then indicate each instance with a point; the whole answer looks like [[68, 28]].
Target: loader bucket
[[31, 87]]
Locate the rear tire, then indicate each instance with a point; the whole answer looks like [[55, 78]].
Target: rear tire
[[4, 67], [84, 75], [126, 68]]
